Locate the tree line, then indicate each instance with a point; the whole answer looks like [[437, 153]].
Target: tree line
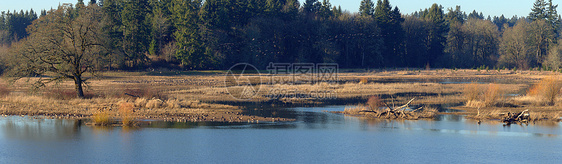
[[215, 34]]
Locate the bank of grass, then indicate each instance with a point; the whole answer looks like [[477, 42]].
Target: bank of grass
[[534, 115], [545, 91], [192, 97]]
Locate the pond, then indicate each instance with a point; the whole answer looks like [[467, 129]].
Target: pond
[[316, 137]]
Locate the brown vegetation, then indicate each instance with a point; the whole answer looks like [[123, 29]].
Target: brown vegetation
[[101, 117], [190, 97], [477, 97], [126, 112], [524, 116], [492, 95], [4, 91], [546, 90]]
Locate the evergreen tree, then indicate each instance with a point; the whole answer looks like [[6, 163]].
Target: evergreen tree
[[160, 26], [112, 26], [501, 22], [437, 32], [456, 16], [186, 19], [325, 10], [136, 31], [366, 8], [475, 15], [553, 17], [539, 10], [390, 23], [311, 6]]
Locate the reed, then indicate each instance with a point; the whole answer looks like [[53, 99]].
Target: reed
[[101, 117]]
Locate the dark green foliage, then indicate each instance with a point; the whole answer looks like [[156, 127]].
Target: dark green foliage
[[215, 34], [136, 31], [475, 15], [390, 23], [438, 30], [367, 8], [13, 25], [539, 10]]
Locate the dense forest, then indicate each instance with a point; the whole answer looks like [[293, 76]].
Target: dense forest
[[216, 34]]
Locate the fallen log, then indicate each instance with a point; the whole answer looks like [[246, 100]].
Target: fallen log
[[511, 118], [401, 112]]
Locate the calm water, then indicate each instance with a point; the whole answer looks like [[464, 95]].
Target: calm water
[[317, 137]]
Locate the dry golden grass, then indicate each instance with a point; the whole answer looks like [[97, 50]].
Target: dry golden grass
[[126, 112], [154, 103], [537, 116], [493, 95], [355, 110], [101, 117], [546, 90], [471, 92], [196, 94], [475, 97]]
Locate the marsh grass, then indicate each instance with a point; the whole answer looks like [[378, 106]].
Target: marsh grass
[[102, 117], [497, 114], [476, 96], [537, 116], [126, 112], [493, 95], [471, 92], [154, 103], [545, 91]]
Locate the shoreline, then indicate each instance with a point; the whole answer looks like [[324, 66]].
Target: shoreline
[[205, 98]]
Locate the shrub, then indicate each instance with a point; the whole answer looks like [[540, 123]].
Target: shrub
[[546, 90], [492, 95], [101, 117], [471, 92], [475, 97], [126, 111], [374, 103]]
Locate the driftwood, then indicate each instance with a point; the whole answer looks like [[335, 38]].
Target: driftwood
[[400, 112], [520, 117]]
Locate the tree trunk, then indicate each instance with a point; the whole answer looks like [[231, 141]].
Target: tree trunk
[[78, 85]]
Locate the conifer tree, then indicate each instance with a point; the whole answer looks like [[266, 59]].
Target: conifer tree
[[366, 8]]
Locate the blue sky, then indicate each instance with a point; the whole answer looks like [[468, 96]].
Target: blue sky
[[487, 7]]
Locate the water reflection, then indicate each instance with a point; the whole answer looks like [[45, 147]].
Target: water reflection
[[315, 137], [25, 128]]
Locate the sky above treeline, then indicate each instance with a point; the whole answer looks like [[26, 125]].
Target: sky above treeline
[[508, 8]]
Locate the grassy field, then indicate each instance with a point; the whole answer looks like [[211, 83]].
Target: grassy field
[[205, 96]]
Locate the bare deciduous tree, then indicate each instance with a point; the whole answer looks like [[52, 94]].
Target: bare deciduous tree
[[64, 44]]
